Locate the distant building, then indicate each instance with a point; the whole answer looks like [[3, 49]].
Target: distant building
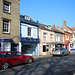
[[68, 37], [29, 36], [9, 25], [47, 39], [58, 36], [73, 29]]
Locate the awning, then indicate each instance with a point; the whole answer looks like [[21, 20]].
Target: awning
[[5, 40], [29, 40]]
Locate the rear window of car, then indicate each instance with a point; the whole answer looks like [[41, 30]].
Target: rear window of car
[[58, 49], [55, 49]]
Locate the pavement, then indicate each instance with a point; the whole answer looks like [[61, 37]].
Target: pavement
[[36, 57]]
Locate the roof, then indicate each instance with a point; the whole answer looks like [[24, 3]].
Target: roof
[[45, 27], [73, 28], [57, 31], [31, 22]]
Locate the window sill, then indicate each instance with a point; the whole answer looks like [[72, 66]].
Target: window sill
[[6, 33], [6, 12]]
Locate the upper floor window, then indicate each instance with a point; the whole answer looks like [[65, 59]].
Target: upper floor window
[[63, 38], [51, 37], [29, 31], [6, 25], [58, 38], [44, 36], [71, 38], [6, 7]]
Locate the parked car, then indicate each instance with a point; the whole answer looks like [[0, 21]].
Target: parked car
[[60, 51], [12, 58]]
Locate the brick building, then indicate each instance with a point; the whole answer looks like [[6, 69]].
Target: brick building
[[9, 24], [68, 37]]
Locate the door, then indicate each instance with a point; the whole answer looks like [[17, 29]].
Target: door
[[20, 58]]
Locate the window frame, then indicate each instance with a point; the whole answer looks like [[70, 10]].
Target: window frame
[[29, 32], [45, 36], [5, 5], [51, 37], [6, 26]]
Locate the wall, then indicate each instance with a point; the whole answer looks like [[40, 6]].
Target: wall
[[14, 18], [45, 42], [24, 30]]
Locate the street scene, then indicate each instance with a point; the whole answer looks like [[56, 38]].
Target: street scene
[[45, 65], [37, 37]]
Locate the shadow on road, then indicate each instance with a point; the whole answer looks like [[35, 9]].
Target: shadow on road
[[56, 65]]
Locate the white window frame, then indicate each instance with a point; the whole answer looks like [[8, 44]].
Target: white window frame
[[71, 38], [57, 38], [63, 38], [51, 37], [6, 26], [6, 7], [30, 33], [44, 36]]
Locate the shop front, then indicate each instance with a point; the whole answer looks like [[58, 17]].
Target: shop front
[[66, 44], [29, 46], [7, 45]]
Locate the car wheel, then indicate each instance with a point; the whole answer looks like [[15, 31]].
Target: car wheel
[[5, 65], [69, 53], [29, 60], [62, 54]]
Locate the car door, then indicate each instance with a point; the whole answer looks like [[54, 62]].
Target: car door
[[65, 50], [12, 58], [20, 58]]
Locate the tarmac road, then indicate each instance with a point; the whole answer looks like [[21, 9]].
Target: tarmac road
[[50, 65]]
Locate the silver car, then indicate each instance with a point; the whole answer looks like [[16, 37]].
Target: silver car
[[60, 51]]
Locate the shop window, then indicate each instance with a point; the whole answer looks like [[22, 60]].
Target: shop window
[[27, 49], [6, 46]]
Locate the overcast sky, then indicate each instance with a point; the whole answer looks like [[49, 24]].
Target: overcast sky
[[50, 11]]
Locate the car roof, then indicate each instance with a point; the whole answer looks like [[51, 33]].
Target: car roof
[[7, 51]]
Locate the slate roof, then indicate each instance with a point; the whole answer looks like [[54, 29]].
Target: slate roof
[[52, 29], [57, 31]]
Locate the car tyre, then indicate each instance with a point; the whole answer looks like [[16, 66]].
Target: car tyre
[[5, 65], [62, 54], [69, 52], [29, 60]]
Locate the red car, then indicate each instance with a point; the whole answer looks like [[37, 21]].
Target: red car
[[12, 58]]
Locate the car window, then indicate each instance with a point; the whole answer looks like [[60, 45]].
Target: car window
[[18, 54], [54, 49], [62, 49], [3, 55], [13, 54]]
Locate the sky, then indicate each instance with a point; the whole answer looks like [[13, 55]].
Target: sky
[[50, 11]]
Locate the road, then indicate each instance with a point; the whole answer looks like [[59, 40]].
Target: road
[[56, 65]]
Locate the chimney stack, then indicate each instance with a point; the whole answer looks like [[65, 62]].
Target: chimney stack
[[64, 23], [53, 25]]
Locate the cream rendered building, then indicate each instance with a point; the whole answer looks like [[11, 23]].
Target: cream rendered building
[[47, 39]]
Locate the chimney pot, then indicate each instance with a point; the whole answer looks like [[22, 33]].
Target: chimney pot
[[53, 25]]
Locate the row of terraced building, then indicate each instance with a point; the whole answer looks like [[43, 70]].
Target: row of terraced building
[[21, 33]]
